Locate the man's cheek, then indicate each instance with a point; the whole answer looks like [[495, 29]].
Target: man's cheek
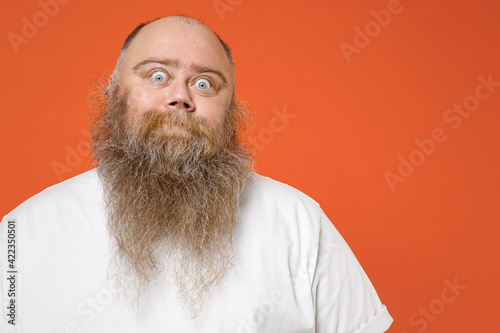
[[139, 101], [220, 117]]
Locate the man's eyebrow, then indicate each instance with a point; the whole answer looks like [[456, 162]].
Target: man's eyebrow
[[174, 63], [166, 62], [204, 69]]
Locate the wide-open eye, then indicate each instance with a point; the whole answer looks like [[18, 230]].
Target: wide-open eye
[[203, 84], [159, 76]]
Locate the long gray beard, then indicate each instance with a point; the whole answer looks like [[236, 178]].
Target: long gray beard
[[172, 204]]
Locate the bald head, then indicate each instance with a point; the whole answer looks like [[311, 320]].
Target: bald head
[[173, 19]]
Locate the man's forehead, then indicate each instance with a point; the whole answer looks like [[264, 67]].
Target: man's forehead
[[171, 37]]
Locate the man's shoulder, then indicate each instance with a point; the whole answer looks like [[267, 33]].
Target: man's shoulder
[[76, 188], [272, 212], [271, 190]]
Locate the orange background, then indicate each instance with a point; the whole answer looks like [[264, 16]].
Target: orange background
[[354, 116]]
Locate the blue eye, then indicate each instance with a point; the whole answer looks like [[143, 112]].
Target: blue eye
[[203, 84], [159, 76]]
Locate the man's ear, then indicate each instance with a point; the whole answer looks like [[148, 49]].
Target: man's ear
[[111, 82]]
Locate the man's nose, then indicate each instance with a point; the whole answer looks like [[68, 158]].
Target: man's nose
[[179, 97]]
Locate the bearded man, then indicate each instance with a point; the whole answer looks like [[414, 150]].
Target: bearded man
[[172, 231]]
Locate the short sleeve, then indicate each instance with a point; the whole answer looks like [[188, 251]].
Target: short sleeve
[[345, 299]]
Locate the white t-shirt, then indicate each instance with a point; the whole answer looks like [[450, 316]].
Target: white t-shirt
[[294, 271]]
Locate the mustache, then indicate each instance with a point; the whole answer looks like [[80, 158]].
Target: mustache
[[152, 122]]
